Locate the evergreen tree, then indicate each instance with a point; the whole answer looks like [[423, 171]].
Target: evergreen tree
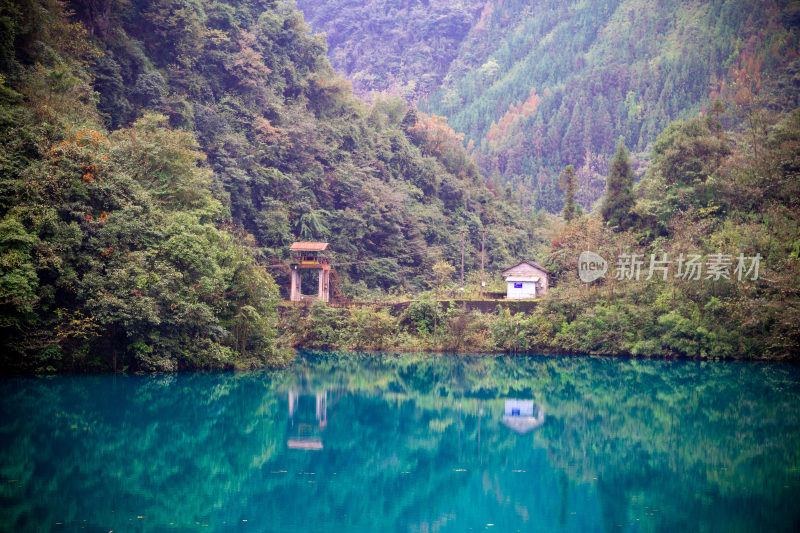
[[616, 208], [566, 181]]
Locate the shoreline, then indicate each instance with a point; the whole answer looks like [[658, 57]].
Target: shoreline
[[397, 351]]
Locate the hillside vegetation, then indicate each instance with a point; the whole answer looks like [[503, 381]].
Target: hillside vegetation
[[536, 86], [403, 47], [158, 156], [725, 201]]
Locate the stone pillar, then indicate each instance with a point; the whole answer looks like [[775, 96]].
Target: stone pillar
[[327, 285], [324, 285], [295, 293]]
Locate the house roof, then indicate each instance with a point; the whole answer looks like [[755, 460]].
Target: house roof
[[308, 246], [534, 264], [523, 424]]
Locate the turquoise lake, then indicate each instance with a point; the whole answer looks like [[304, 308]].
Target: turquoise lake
[[414, 443]]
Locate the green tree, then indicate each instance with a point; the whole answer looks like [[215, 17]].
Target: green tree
[[566, 181], [442, 273], [616, 207], [18, 280]]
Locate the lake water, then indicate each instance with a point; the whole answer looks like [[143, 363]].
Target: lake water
[[414, 443]]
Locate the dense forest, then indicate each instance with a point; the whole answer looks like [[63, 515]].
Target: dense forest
[[545, 94], [365, 38], [538, 86], [708, 192], [158, 156]]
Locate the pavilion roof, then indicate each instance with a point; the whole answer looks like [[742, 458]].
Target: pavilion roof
[[308, 246]]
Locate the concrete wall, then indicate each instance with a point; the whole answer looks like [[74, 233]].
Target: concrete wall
[[484, 306], [528, 290]]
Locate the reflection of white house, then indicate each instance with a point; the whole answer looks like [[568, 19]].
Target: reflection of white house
[[522, 415], [526, 279]]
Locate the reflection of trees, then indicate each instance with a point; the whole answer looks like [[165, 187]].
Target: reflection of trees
[[411, 441], [106, 449]]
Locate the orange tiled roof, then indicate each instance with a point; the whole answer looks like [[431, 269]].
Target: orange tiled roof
[[308, 247]]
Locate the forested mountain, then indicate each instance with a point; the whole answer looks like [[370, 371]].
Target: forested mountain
[[725, 201], [536, 86], [295, 155], [403, 47], [539, 86], [158, 156]]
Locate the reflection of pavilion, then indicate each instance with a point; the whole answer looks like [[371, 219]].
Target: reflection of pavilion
[[522, 415], [305, 433]]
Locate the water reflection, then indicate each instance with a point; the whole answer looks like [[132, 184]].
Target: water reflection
[[305, 433], [349, 442], [522, 416]]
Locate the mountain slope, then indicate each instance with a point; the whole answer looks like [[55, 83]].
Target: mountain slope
[[296, 154], [404, 47], [536, 87], [163, 154]]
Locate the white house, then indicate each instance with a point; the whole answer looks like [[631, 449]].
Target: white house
[[526, 279]]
